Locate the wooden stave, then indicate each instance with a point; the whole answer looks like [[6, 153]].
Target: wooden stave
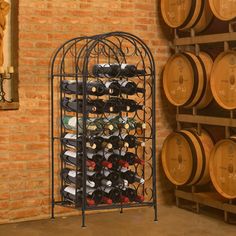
[[200, 81], [207, 96], [199, 162], [165, 85], [203, 143], [211, 169], [217, 14], [205, 18], [212, 81], [195, 16]]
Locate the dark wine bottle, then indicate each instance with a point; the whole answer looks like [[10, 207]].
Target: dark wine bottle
[[70, 158], [94, 194], [69, 176], [132, 195], [116, 70], [130, 157], [111, 193], [131, 105], [130, 88], [116, 160], [113, 87], [98, 179], [92, 88], [70, 140], [100, 142], [95, 106], [115, 140], [69, 193], [111, 175], [130, 176], [112, 105], [99, 160], [132, 140]]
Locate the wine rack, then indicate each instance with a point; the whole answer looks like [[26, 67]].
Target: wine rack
[[103, 125]]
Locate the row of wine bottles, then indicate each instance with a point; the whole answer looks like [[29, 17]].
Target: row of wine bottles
[[97, 143], [104, 182], [99, 106], [100, 160], [116, 71], [112, 88], [105, 195], [99, 124]]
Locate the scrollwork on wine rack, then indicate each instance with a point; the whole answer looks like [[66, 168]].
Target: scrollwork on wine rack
[[80, 61]]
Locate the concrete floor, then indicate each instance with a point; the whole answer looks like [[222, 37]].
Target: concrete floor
[[172, 222]]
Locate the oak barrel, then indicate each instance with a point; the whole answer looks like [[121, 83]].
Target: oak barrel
[[185, 157], [223, 167], [223, 80], [186, 80], [186, 14], [224, 10]]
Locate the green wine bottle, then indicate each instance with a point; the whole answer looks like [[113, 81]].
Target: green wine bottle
[[70, 123]]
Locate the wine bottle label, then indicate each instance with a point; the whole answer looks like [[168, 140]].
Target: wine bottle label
[[90, 155], [123, 136], [123, 170], [105, 172], [70, 190], [72, 173], [90, 191], [106, 182], [90, 173], [72, 122], [123, 82], [107, 155], [70, 154], [90, 183], [108, 83], [122, 66], [70, 136], [70, 81]]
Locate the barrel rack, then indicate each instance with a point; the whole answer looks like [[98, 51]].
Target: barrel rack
[[196, 194]]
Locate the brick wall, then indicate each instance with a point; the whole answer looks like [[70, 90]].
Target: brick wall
[[24, 134]]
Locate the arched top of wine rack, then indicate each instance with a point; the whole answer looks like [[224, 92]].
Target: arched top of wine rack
[[112, 42]]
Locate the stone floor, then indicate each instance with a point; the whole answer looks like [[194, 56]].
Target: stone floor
[[172, 222]]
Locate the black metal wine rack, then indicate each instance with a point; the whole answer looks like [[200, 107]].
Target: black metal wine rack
[[75, 60]]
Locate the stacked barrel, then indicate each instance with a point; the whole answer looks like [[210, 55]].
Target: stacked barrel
[[193, 80]]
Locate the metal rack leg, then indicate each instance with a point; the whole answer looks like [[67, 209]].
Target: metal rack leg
[[155, 213], [52, 213], [83, 219]]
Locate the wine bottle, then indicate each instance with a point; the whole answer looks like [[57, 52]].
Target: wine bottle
[[112, 105], [69, 176], [94, 194], [111, 175], [111, 193], [99, 160], [93, 125], [129, 157], [113, 87], [70, 140], [131, 105], [69, 193], [100, 142], [115, 140], [70, 158], [130, 176], [116, 70], [133, 124], [95, 106], [129, 87], [132, 140], [132, 195], [92, 88], [98, 179], [115, 160]]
